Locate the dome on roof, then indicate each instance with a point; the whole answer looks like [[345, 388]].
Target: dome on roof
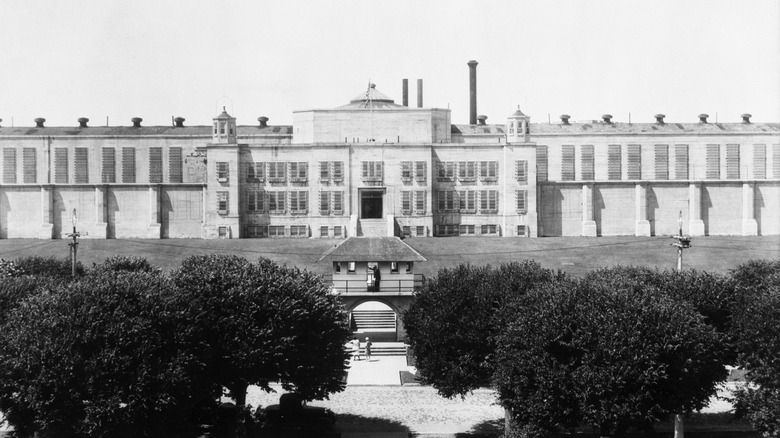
[[518, 113], [371, 98]]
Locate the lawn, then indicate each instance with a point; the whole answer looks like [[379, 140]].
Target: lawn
[[574, 255]]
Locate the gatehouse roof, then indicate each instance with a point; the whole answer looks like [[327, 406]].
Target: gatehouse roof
[[373, 249]]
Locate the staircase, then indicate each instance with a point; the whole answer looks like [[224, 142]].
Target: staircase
[[374, 320], [372, 228], [388, 349]]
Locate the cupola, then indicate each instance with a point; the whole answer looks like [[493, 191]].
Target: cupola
[[224, 128], [517, 127]]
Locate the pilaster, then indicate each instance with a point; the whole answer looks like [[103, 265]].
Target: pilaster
[[100, 228], [641, 224], [588, 224], [46, 231], [749, 224], [695, 223], [154, 229]]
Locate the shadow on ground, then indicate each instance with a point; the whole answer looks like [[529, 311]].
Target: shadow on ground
[[359, 423]]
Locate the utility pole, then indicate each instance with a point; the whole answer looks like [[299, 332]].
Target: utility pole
[[682, 243], [73, 245]]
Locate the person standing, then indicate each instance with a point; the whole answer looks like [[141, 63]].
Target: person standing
[[368, 350], [356, 348]]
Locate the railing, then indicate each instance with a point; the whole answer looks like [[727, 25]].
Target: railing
[[386, 285]]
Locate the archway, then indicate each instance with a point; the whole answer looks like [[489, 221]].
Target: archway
[[374, 319]]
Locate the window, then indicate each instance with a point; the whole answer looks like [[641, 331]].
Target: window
[[522, 231], [521, 201], [447, 171], [661, 161], [81, 165], [713, 161], [614, 162], [60, 165], [406, 171], [488, 171], [255, 231], [108, 172], [299, 231], [406, 202], [338, 171], [276, 202], [732, 161], [9, 165], [541, 163], [634, 156], [447, 201], [776, 161], [174, 165], [351, 267], [681, 161], [254, 201], [419, 202], [277, 172], [419, 232], [488, 201], [337, 231], [372, 170], [299, 171], [338, 203], [421, 171], [759, 161], [222, 202], [587, 164], [276, 231], [222, 232], [446, 230], [255, 172], [406, 231], [466, 230], [394, 267], [567, 163], [521, 171], [489, 229], [223, 171], [324, 232], [324, 203], [467, 171], [29, 166], [128, 165], [155, 165], [324, 171], [467, 200]]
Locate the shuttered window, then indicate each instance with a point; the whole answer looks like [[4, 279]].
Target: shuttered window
[[732, 161], [299, 171], [338, 171], [521, 201], [488, 171], [372, 170], [299, 201], [277, 171], [488, 201], [155, 165], [108, 167], [614, 162], [81, 165], [587, 163], [759, 161], [174, 165], [447, 201], [222, 202], [255, 172], [254, 201], [406, 170], [661, 161], [276, 201], [567, 163], [713, 161], [468, 201], [60, 165], [406, 202], [325, 203], [681, 161], [521, 171], [223, 171], [9, 165], [338, 203], [324, 170], [541, 163], [128, 165], [467, 171], [447, 171], [634, 157], [421, 171], [419, 202], [29, 166]]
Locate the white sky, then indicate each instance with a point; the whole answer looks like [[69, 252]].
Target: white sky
[[155, 59]]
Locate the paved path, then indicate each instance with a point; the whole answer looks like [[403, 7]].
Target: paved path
[[380, 370]]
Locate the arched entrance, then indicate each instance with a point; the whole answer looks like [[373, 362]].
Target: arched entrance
[[376, 320]]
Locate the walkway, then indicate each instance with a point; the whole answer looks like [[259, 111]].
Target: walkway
[[380, 370]]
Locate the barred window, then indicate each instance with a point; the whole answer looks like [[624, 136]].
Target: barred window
[[337, 231], [489, 229], [372, 170], [661, 161], [324, 231], [420, 171], [468, 201], [9, 165], [759, 161], [446, 171], [325, 203], [406, 231], [299, 171], [521, 171], [324, 170], [521, 201], [256, 231], [254, 201], [406, 202], [466, 230], [338, 203], [255, 172], [29, 166], [567, 163], [713, 161], [681, 161], [175, 165], [634, 156], [222, 202], [277, 171], [614, 162], [467, 171], [732, 161], [155, 165], [81, 165], [276, 201], [108, 172], [223, 171], [419, 202], [488, 201], [522, 230], [406, 170], [338, 171], [128, 165], [541, 163], [299, 231], [276, 231], [447, 201], [587, 162], [419, 232], [488, 170], [299, 201], [446, 230]]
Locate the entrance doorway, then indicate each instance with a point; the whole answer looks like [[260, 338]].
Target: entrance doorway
[[371, 204], [374, 319]]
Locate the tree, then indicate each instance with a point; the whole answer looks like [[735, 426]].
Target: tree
[[101, 357], [589, 352], [261, 323], [452, 322], [757, 336]]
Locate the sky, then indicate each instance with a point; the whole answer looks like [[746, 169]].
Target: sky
[[65, 59]]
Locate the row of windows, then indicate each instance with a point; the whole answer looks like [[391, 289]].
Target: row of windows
[[466, 201], [259, 231], [475, 230], [294, 201], [661, 154]]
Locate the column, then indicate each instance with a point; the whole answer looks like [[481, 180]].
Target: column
[[588, 224], [46, 230], [749, 224], [100, 228], [154, 228], [695, 223], [641, 224]]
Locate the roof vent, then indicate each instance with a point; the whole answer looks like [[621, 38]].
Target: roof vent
[[703, 118], [745, 118], [607, 118], [263, 121], [659, 119], [179, 121], [136, 122], [39, 122], [565, 119], [481, 120], [83, 122], [1, 121]]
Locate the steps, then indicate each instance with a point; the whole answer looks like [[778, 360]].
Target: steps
[[374, 320], [372, 228]]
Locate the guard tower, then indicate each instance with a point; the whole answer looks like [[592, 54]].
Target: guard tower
[[517, 127]]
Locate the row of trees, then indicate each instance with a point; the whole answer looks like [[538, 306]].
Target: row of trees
[[127, 350], [619, 348]]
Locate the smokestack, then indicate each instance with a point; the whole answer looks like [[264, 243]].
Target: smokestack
[[472, 92], [39, 122], [419, 93], [405, 92]]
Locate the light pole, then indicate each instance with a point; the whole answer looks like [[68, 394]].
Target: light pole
[[682, 243], [73, 245]]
